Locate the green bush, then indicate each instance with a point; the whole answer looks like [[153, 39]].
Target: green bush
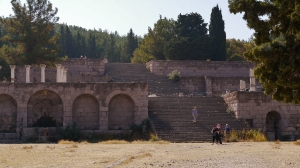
[[174, 76], [45, 121], [70, 132]]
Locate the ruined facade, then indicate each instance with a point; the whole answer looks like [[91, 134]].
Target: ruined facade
[[79, 90]]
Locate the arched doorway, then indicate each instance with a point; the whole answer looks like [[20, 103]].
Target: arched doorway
[[8, 113], [44, 103], [120, 112], [86, 112], [273, 123]]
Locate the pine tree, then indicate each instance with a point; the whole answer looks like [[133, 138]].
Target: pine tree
[[69, 43], [130, 45], [218, 35], [30, 30], [277, 45]]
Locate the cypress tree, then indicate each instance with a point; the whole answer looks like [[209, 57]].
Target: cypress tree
[[218, 35]]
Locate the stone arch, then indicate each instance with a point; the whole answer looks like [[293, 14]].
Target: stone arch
[[44, 102], [86, 112], [8, 113], [274, 124], [120, 112]]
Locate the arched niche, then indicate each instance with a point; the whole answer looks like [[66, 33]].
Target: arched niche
[[8, 113], [273, 123], [120, 112], [44, 103], [86, 112]]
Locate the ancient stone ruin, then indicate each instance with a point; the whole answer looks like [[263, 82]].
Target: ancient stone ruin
[[110, 97]]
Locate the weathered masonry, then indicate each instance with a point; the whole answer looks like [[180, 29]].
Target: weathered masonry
[[93, 106]]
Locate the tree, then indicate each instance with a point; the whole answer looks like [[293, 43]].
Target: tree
[[277, 38], [153, 45], [30, 29], [191, 41], [130, 45], [111, 51], [217, 32]]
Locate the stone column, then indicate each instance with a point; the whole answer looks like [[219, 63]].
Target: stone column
[[43, 66], [62, 74], [252, 80], [242, 85], [27, 73], [58, 72], [208, 86], [65, 74], [12, 73]]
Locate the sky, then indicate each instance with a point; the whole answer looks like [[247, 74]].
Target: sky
[[121, 15]]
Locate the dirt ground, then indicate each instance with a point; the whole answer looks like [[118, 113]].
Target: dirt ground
[[231, 155]]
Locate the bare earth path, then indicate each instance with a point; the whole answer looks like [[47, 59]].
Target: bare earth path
[[231, 155]]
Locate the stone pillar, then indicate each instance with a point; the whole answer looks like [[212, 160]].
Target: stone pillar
[[43, 66], [12, 73], [208, 87], [65, 74], [242, 85], [0, 67], [252, 80], [27, 73], [58, 72], [62, 74]]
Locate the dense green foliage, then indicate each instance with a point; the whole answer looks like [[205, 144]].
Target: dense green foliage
[[235, 49], [277, 38], [70, 132], [184, 39], [153, 45], [217, 32], [30, 33], [191, 41]]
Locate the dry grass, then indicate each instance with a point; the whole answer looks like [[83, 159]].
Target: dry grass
[[74, 146], [50, 147], [27, 147], [66, 142], [276, 144], [137, 157], [114, 142], [297, 142], [247, 135], [151, 142]]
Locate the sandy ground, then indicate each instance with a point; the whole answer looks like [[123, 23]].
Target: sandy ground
[[231, 155]]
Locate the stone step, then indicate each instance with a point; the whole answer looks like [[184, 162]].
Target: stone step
[[172, 119]]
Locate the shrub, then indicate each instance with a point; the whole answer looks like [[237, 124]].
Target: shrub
[[174, 76], [230, 111], [45, 121], [71, 132], [247, 135]]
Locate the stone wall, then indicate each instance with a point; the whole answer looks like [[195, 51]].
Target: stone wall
[[90, 104], [259, 108], [79, 70], [201, 68], [214, 85]]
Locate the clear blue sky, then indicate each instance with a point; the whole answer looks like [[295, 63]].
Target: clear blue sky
[[121, 15]]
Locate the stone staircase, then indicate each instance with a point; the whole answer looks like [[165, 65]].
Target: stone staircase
[[127, 72], [172, 117]]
